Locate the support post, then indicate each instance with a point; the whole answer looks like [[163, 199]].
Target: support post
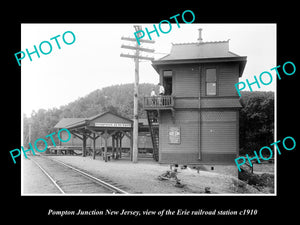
[[113, 146], [117, 146], [121, 137], [29, 135], [105, 145], [94, 145], [131, 145], [84, 145]]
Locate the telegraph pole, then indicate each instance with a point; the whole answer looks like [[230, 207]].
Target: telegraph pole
[[29, 133], [136, 58]]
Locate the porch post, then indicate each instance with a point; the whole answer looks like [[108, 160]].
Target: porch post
[[94, 145], [113, 146], [105, 144], [84, 144]]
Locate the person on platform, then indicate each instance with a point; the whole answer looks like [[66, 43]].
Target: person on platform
[[153, 96], [161, 91]]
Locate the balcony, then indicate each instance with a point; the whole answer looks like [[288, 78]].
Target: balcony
[[159, 102]]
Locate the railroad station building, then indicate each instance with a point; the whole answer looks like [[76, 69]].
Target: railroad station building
[[198, 116], [107, 134], [196, 121]]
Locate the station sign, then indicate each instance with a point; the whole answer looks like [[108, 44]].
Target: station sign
[[112, 125]]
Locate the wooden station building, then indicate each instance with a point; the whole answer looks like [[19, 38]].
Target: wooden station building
[[107, 126], [108, 134], [199, 114]]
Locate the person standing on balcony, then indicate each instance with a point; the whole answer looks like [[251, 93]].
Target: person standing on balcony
[[153, 96], [161, 91]]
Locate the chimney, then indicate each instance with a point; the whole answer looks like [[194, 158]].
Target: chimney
[[200, 35]]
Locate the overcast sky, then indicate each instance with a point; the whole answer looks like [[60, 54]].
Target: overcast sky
[[93, 61]]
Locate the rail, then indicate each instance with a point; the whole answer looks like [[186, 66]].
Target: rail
[[104, 184], [159, 102]]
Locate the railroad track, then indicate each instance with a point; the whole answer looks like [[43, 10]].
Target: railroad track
[[70, 180]]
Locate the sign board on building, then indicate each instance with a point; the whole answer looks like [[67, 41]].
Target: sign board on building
[[174, 135], [112, 124]]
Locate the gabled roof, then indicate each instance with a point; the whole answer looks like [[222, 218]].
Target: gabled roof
[[108, 112]]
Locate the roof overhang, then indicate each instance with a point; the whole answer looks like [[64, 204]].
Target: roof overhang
[[89, 124], [241, 60]]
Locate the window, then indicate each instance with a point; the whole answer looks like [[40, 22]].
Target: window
[[168, 73], [211, 81]]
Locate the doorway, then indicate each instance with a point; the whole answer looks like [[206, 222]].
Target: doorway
[[167, 83]]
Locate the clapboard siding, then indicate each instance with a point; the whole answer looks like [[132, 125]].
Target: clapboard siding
[[186, 79], [218, 137], [219, 132], [186, 82], [186, 103], [192, 158], [179, 157], [206, 136], [228, 77], [218, 158], [189, 131]]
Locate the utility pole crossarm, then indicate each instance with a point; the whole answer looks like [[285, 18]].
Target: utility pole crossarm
[[139, 48], [141, 40], [134, 56]]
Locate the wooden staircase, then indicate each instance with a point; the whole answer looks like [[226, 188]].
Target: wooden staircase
[[154, 131]]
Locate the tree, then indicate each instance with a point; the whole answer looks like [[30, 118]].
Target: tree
[[256, 121]]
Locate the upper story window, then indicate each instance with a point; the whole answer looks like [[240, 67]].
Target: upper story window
[[211, 81]]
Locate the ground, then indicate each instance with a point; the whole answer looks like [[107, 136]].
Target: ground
[[262, 177], [34, 180], [142, 177]]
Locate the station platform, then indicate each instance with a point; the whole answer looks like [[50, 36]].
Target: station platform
[[142, 177]]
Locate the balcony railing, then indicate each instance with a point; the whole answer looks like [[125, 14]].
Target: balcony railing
[[159, 102]]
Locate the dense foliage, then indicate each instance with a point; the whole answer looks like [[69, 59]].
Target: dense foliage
[[256, 116], [256, 121]]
